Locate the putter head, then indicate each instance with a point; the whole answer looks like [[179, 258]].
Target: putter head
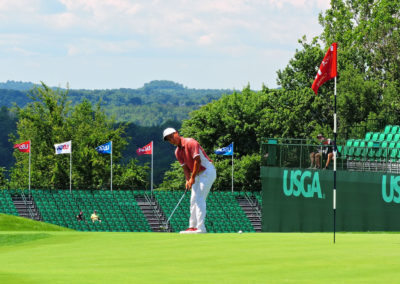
[[164, 227]]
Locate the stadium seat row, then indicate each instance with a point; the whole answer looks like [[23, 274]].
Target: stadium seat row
[[378, 151], [119, 210]]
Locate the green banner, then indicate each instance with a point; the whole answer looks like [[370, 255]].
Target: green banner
[[300, 200]]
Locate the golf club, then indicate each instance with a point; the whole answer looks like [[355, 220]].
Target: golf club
[[165, 227]]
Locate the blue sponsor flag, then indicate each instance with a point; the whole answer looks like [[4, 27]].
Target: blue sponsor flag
[[105, 148], [226, 151]]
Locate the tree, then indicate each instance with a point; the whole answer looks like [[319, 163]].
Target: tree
[[301, 69], [91, 128], [44, 123], [367, 33], [233, 118], [7, 126], [48, 120], [174, 178], [131, 176], [368, 39], [3, 179]]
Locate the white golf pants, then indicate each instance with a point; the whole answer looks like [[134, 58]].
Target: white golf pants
[[200, 190]]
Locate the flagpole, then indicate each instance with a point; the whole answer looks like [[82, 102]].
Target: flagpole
[[232, 166], [70, 170], [111, 167], [30, 147], [152, 154], [334, 169]]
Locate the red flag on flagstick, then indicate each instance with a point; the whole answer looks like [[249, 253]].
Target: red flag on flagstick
[[146, 150], [328, 68], [24, 147]]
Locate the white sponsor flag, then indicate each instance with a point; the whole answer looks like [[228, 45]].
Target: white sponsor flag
[[63, 148]]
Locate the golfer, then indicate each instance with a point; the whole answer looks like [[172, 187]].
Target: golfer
[[199, 173]]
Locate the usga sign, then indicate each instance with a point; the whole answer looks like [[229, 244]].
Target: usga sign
[[304, 183]]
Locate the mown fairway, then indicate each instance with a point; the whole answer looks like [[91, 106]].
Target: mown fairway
[[76, 257]]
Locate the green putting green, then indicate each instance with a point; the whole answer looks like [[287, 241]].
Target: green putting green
[[79, 257]]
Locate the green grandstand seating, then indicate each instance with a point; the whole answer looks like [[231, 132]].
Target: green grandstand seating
[[398, 152], [372, 150], [258, 197], [353, 148], [223, 212], [168, 201], [381, 154], [382, 137], [368, 136], [367, 150], [118, 211], [346, 148], [388, 129], [395, 152], [375, 136], [391, 148], [6, 203], [359, 150], [379, 147]]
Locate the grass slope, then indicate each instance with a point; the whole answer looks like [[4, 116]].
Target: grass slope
[[14, 223], [78, 257]]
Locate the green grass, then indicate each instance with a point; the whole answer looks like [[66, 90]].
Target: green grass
[[13, 223], [82, 257]]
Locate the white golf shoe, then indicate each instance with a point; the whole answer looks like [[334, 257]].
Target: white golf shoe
[[188, 231]]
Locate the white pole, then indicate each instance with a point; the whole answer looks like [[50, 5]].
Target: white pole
[[70, 170], [111, 166], [30, 149], [232, 165], [334, 170], [152, 153]]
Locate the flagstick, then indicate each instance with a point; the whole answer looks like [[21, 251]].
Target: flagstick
[[30, 147], [152, 153], [111, 166], [334, 170], [232, 166], [70, 170]]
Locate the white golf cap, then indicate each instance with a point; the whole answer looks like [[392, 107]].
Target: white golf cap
[[168, 131]]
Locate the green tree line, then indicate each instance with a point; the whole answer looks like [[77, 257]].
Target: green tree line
[[136, 136], [155, 103], [50, 119]]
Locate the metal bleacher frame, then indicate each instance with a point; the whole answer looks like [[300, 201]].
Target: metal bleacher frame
[[374, 155]]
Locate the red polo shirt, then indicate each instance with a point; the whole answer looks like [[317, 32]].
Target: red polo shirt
[[189, 150]]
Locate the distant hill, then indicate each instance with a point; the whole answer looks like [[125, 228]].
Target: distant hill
[[153, 104], [17, 85]]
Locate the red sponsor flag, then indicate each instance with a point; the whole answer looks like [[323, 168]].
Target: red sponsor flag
[[24, 146], [146, 150], [328, 68]]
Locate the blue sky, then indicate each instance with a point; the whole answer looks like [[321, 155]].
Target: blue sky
[[98, 44]]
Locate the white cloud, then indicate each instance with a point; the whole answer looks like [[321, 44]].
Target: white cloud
[[180, 30], [320, 4], [206, 39], [93, 46], [24, 6]]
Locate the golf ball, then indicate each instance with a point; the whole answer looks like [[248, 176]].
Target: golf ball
[[240, 232]]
